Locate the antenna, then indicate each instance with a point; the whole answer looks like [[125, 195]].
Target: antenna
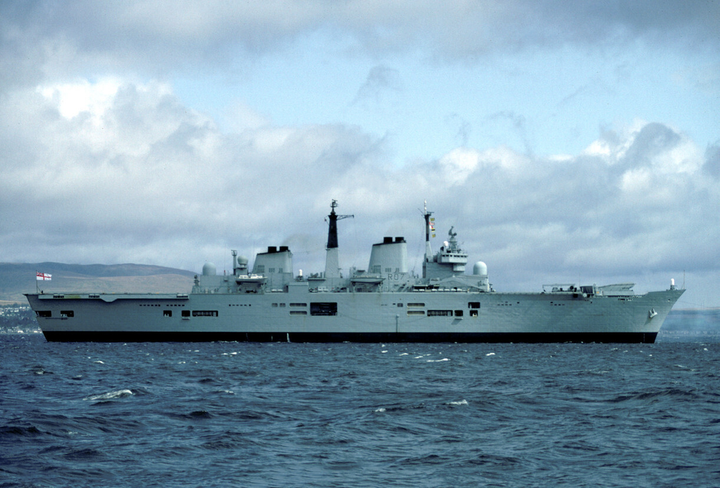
[[332, 267], [332, 230], [429, 226]]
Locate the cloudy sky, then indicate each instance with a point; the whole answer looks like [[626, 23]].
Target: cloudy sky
[[566, 141]]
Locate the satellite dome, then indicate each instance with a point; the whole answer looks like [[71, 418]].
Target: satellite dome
[[242, 260], [209, 269], [480, 268]]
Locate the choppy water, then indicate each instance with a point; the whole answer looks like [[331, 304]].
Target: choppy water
[[365, 415]]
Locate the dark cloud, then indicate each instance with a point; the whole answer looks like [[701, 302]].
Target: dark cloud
[[161, 36], [380, 80], [652, 140]]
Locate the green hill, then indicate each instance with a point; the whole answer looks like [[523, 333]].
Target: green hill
[[16, 279]]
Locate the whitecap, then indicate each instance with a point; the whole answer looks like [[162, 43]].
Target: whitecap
[[437, 360], [379, 410], [461, 402], [111, 395], [98, 362], [490, 354]]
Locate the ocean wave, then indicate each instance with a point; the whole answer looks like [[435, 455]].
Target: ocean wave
[[111, 395], [461, 402], [674, 393]]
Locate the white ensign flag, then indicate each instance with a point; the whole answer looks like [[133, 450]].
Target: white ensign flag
[[44, 277]]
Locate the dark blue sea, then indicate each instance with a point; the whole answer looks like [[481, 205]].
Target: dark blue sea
[[358, 415]]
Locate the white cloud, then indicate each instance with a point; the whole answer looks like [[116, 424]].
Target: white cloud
[[459, 164], [82, 96], [165, 193]]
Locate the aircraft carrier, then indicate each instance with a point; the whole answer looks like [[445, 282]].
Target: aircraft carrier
[[384, 303]]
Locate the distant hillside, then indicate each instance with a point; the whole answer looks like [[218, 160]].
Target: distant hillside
[[16, 279]]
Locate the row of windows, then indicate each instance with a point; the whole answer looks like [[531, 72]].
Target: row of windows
[[203, 313], [194, 313], [471, 305], [261, 269], [377, 269], [442, 313], [318, 308]]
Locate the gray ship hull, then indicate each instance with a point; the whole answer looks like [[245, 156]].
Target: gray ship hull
[[300, 316]]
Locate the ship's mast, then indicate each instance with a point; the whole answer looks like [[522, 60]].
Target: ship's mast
[[332, 263], [429, 226]]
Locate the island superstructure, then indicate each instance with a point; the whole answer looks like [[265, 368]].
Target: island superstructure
[[387, 302]]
